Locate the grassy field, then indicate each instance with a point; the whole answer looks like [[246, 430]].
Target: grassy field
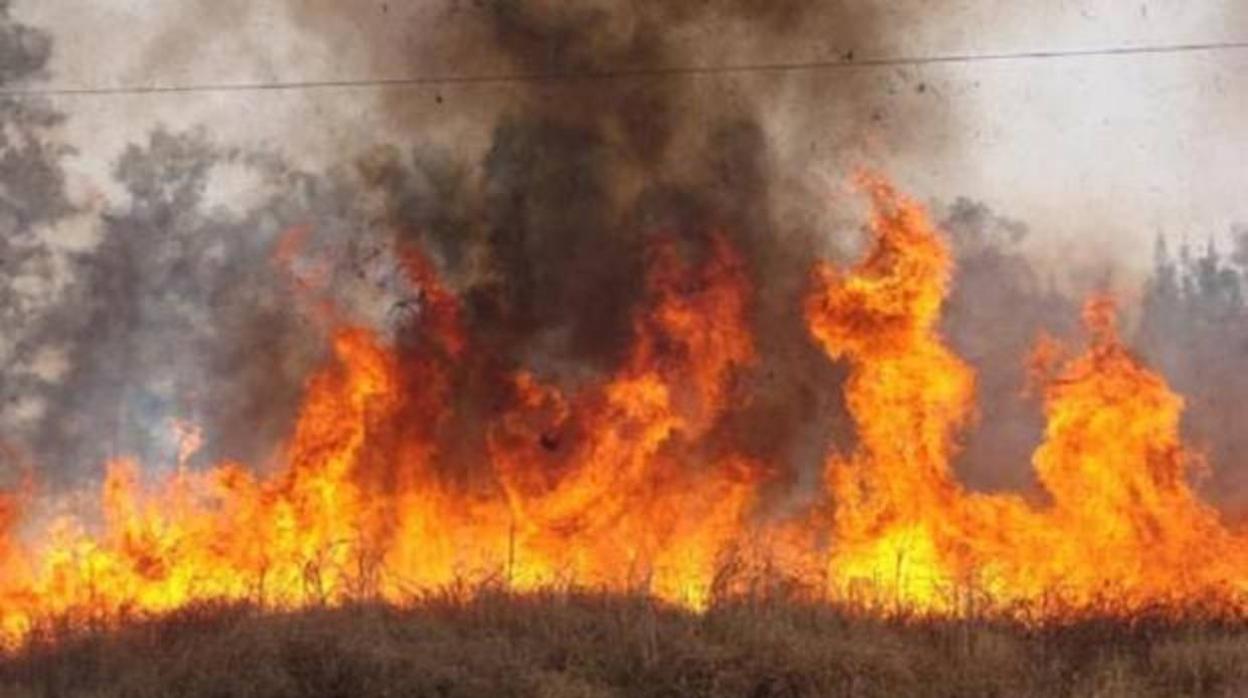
[[588, 646]]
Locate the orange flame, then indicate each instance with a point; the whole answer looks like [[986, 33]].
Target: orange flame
[[620, 483], [1122, 526]]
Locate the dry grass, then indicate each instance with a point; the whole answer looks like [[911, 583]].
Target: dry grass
[[593, 646]]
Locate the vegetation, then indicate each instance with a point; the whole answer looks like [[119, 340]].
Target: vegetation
[[590, 645]]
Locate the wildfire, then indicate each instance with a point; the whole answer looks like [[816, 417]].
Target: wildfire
[[621, 483], [1121, 526]]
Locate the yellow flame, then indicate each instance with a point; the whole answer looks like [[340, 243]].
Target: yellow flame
[[624, 484]]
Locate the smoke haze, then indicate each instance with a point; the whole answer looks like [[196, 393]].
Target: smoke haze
[[536, 199]]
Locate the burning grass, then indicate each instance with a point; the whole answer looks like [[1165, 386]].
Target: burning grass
[[591, 644], [627, 483]]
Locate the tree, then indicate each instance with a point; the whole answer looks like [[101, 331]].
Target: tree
[[32, 199]]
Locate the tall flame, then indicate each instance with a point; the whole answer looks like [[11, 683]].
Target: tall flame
[[621, 483], [1121, 525]]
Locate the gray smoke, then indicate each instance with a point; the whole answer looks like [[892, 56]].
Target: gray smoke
[[1194, 328], [582, 171], [32, 196], [179, 310], [999, 306]]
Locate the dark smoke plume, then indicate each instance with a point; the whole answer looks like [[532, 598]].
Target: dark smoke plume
[[180, 310], [587, 162]]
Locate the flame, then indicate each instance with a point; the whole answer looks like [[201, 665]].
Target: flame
[[896, 497], [623, 484], [620, 482], [1121, 525]]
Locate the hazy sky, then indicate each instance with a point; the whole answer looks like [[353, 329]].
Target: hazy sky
[[1112, 149]]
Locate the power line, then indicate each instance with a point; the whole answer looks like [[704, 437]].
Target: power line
[[846, 62]]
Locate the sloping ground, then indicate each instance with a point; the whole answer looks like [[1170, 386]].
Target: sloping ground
[[590, 646]]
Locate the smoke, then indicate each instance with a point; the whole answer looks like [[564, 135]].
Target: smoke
[[176, 313], [32, 197], [180, 311], [184, 311], [24, 51], [1194, 328], [581, 170], [536, 197], [999, 306], [597, 153]]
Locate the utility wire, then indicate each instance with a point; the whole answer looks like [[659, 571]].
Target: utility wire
[[847, 61]]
